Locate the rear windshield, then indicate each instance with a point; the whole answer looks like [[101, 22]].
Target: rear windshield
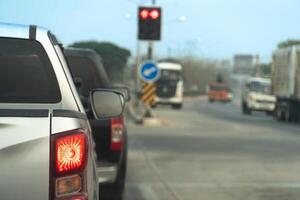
[[219, 87], [26, 73], [86, 69]]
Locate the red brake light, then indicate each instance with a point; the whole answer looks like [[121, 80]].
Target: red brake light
[[81, 197], [70, 152], [117, 131]]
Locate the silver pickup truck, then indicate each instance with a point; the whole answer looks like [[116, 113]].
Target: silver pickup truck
[[46, 146]]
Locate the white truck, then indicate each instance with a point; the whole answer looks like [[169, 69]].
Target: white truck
[[256, 96], [286, 83]]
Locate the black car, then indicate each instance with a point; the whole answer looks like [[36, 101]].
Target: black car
[[110, 135]]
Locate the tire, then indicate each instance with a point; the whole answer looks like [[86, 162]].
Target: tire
[[288, 115], [279, 115], [249, 111], [177, 106], [297, 118], [114, 191], [294, 112], [269, 113], [243, 108], [246, 109]]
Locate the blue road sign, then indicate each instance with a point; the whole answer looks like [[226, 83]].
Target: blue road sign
[[149, 72]]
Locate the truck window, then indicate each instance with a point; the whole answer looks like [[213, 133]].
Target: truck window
[[86, 69], [26, 73], [264, 88], [170, 75], [219, 88]]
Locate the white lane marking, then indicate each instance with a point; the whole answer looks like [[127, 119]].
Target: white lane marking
[[156, 170], [146, 186]]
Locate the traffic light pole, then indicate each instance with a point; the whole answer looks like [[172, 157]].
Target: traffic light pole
[[150, 44], [149, 29], [138, 62], [150, 51]]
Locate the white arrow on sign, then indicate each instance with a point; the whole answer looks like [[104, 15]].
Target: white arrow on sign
[[149, 71]]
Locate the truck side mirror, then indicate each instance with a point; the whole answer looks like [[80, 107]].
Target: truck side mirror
[[107, 103]]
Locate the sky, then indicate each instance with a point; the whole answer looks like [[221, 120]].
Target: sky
[[211, 28]]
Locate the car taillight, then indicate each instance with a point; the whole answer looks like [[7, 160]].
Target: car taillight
[[117, 131], [69, 152]]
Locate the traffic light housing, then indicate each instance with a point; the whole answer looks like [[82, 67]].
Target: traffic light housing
[[149, 23]]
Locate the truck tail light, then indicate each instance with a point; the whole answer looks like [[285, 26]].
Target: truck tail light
[[67, 185], [117, 133], [69, 152]]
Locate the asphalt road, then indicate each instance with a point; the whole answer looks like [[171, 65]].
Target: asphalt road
[[212, 152]]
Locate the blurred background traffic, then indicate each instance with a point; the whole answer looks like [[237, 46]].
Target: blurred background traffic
[[215, 90]]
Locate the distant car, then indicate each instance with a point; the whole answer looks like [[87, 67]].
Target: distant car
[[219, 92], [110, 135], [256, 96], [46, 149]]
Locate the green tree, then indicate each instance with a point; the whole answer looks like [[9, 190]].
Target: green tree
[[198, 73], [114, 58], [288, 43]]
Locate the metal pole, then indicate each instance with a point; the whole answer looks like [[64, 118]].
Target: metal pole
[[148, 112], [257, 66], [150, 44], [138, 62], [150, 51]]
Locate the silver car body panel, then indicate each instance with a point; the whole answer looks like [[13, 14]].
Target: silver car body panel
[[24, 158], [25, 140]]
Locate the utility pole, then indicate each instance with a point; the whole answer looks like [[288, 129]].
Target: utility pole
[[257, 66], [138, 62]]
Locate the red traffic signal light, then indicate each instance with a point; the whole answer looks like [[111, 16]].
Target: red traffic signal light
[[149, 14], [144, 14], [149, 23], [154, 14]]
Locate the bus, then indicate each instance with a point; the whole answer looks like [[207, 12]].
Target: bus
[[169, 89]]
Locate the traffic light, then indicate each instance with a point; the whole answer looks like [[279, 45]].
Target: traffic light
[[149, 22]]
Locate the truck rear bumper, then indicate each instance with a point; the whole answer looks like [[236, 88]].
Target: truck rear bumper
[[262, 107], [106, 172], [172, 100], [219, 99]]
